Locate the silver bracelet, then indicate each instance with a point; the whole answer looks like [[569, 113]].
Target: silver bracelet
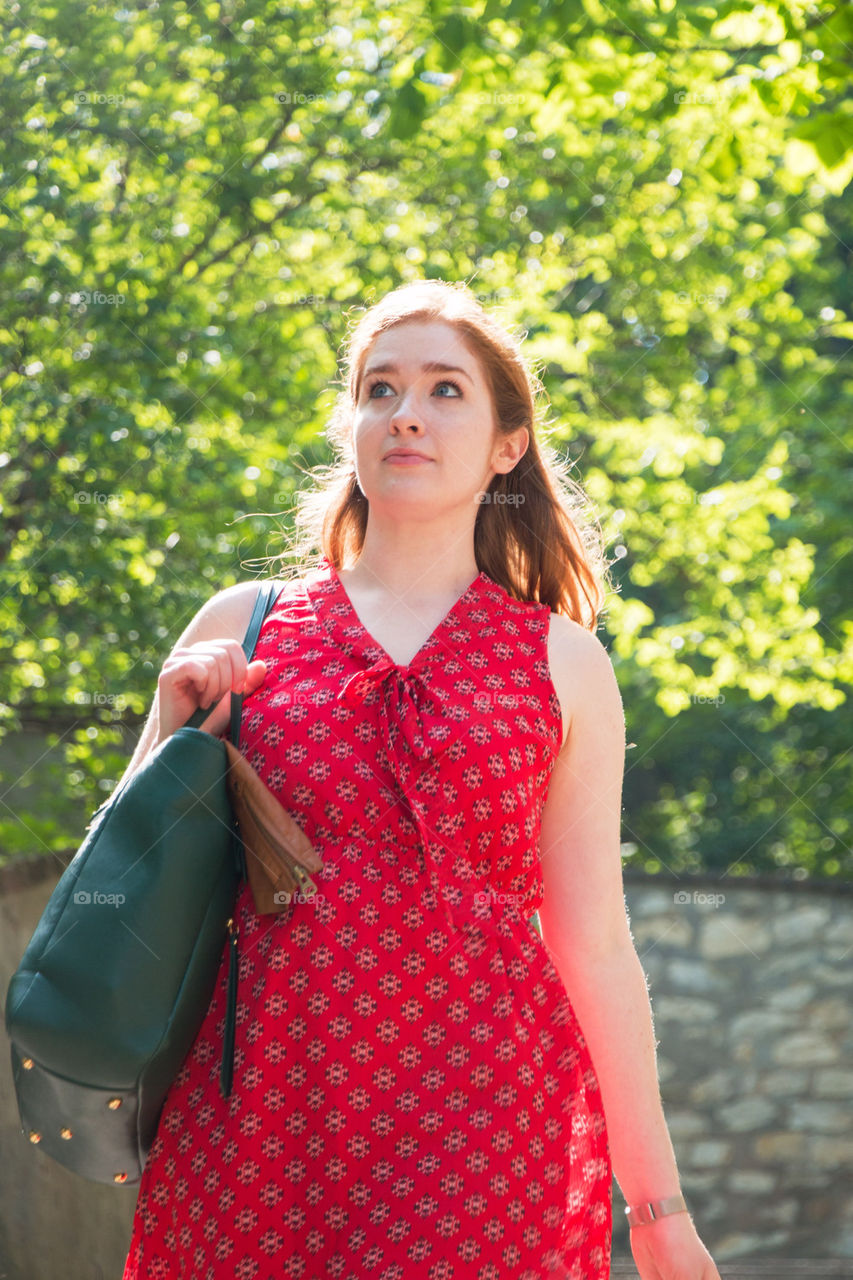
[[639, 1214]]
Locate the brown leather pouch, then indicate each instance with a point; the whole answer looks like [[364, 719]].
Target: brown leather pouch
[[279, 855]]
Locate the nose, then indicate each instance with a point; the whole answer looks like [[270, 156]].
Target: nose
[[408, 423], [407, 416]]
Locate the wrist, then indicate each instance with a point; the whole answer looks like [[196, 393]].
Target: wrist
[[647, 1212]]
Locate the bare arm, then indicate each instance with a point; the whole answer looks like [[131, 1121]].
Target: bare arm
[[586, 929], [585, 924], [224, 617]]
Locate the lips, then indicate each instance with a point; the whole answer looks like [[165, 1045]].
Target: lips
[[407, 453]]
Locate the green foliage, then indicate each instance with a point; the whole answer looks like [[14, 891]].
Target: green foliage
[[195, 197]]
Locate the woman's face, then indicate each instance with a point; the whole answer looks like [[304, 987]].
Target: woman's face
[[443, 415]]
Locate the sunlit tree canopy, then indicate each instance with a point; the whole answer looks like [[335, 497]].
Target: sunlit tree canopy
[[196, 197]]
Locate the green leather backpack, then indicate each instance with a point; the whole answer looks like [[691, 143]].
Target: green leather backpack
[[115, 982]]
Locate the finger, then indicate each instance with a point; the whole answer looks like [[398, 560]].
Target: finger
[[222, 673], [219, 721], [237, 669], [242, 676], [213, 670], [190, 677], [255, 675]]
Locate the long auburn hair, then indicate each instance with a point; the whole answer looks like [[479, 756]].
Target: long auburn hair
[[531, 534]]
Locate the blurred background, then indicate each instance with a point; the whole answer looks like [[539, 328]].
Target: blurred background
[[197, 199]]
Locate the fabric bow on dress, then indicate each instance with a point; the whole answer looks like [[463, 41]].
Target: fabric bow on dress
[[409, 711], [405, 700]]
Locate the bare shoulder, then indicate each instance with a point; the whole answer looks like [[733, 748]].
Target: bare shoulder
[[226, 615], [581, 670]]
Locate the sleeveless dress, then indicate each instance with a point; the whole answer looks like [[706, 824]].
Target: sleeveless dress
[[413, 1098]]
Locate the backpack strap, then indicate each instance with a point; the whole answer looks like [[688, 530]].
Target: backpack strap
[[267, 597]]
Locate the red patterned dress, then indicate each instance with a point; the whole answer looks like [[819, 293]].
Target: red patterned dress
[[413, 1098]]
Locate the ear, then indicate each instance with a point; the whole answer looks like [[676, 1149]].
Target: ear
[[510, 450]]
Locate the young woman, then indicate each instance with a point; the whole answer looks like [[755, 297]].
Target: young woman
[[439, 1055]]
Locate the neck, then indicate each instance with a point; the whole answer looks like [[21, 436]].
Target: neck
[[416, 562]]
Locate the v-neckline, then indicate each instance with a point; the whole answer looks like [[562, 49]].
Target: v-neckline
[[339, 591]]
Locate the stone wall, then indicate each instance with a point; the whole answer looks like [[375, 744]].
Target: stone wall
[[750, 988], [52, 1223], [750, 985]]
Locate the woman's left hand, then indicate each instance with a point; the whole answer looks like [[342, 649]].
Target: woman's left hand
[[670, 1249]]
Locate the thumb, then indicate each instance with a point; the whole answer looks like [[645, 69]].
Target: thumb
[[255, 675], [219, 721]]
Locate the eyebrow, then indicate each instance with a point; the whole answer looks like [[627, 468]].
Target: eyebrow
[[433, 366]]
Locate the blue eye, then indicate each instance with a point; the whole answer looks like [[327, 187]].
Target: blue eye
[[445, 382]]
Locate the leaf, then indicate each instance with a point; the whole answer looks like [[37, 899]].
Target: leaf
[[831, 135], [408, 110]]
